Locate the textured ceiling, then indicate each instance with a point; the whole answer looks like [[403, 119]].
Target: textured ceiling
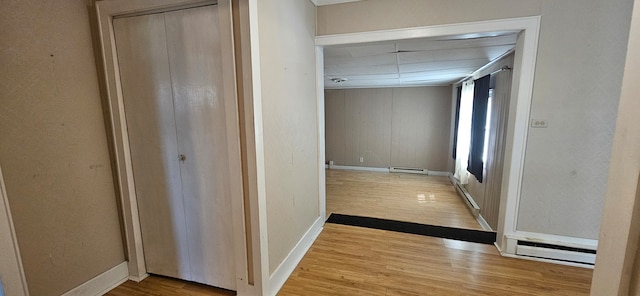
[[412, 62]]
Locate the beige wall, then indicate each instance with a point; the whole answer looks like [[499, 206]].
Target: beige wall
[[374, 15], [617, 270], [54, 150], [578, 76], [400, 127], [289, 118]]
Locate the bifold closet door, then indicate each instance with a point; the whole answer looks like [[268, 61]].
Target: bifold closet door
[[171, 77], [148, 99], [196, 71]]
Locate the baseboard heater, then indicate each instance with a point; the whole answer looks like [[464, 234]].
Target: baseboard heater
[[555, 252], [408, 170], [468, 200]]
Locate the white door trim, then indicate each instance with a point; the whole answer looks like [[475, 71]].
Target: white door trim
[[521, 94], [11, 270], [106, 11]]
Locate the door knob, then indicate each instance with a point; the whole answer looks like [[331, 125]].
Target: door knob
[[182, 157]]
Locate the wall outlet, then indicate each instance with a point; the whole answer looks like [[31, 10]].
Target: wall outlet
[[361, 159], [330, 162], [539, 123]]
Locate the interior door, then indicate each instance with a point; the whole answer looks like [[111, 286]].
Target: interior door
[[170, 69], [195, 61]]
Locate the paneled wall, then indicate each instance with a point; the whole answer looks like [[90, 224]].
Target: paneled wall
[[487, 194], [399, 127]]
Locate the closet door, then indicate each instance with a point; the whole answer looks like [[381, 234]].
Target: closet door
[[196, 70], [148, 100], [171, 76]]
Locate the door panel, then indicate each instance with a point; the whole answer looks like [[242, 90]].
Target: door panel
[[171, 76], [148, 101], [196, 70]]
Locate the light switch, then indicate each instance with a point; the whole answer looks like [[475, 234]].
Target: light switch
[[539, 123]]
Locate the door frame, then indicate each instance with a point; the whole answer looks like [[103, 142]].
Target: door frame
[[12, 275], [119, 138], [528, 29]]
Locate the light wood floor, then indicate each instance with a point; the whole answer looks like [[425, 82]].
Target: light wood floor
[[347, 260], [396, 196], [164, 286]]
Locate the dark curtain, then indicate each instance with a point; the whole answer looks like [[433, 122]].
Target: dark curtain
[[478, 123], [455, 129]]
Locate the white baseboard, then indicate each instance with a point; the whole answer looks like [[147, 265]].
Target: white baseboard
[[382, 170], [408, 170], [550, 253], [357, 168], [138, 279], [573, 242], [288, 265], [466, 197], [573, 264], [438, 173], [483, 223], [102, 283]]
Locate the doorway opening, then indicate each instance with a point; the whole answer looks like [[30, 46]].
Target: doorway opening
[[526, 32]]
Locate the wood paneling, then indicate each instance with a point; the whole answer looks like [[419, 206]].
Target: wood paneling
[[420, 127], [367, 127], [406, 127], [348, 260], [403, 197], [488, 194], [334, 107], [490, 208]]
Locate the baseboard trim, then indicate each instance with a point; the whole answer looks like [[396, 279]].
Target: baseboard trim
[[288, 265], [551, 248], [408, 170], [102, 283], [383, 170], [439, 173], [138, 279], [573, 264], [483, 223], [467, 198], [357, 168]]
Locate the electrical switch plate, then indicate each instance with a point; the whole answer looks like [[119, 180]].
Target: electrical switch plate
[[539, 123], [361, 159]]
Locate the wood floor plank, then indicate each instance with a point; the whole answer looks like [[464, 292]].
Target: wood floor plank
[[441, 268], [347, 260], [397, 196], [164, 286]]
